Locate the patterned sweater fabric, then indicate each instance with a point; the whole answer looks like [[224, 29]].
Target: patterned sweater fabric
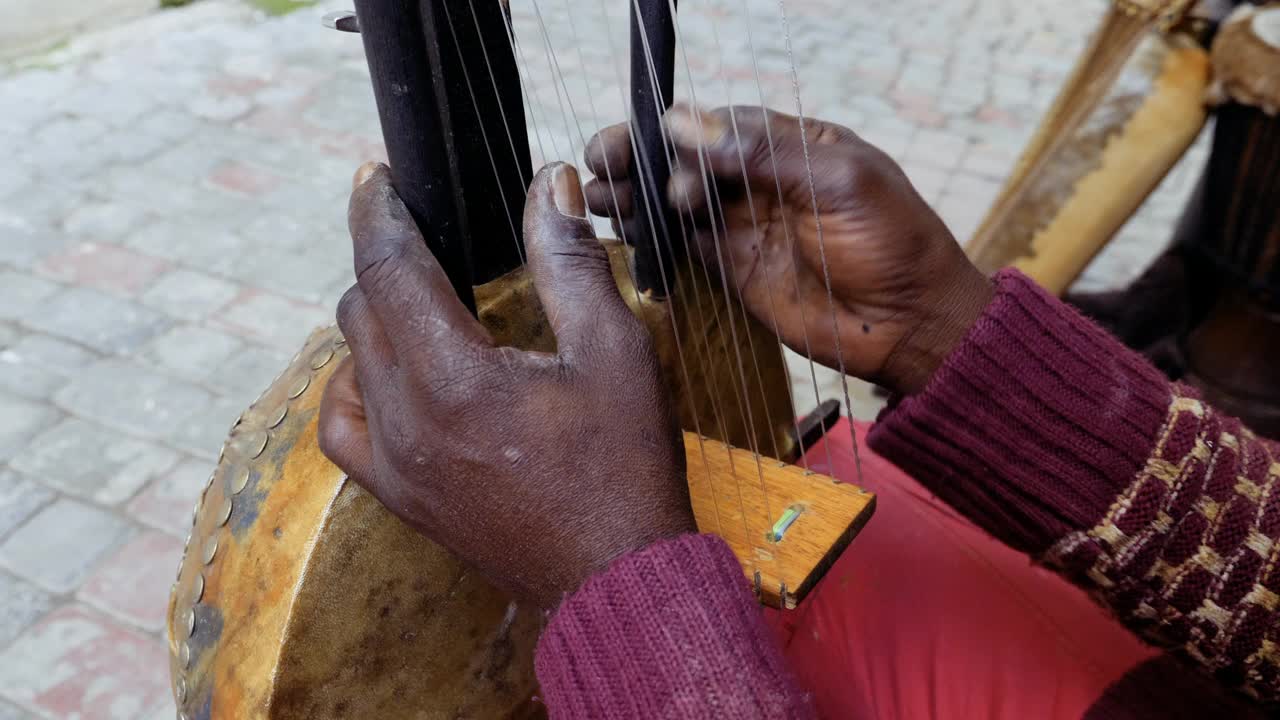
[[1051, 435]]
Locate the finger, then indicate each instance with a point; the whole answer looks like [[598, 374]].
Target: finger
[[571, 270], [609, 200], [374, 355], [765, 149], [363, 173], [687, 193], [344, 429], [378, 384], [608, 153], [401, 280]]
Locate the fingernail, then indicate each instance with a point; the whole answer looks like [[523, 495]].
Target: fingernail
[[567, 192], [690, 126], [364, 172]]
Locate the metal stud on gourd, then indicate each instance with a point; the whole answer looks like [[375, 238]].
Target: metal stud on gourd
[[245, 446]]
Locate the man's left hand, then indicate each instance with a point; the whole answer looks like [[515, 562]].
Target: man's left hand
[[535, 469]]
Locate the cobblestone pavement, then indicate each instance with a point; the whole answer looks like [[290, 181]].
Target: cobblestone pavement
[[172, 225]]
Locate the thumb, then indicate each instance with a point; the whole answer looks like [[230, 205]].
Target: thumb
[[570, 267]]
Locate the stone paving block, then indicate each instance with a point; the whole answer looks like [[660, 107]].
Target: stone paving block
[[303, 275], [76, 663], [36, 210], [272, 319], [96, 319], [204, 433], [168, 125], [147, 193], [248, 372], [244, 178], [23, 604], [936, 148], [79, 161], [21, 294], [133, 584], [890, 138], [188, 294], [292, 232], [106, 104], [21, 420], [166, 710], [89, 461], [38, 365], [136, 147], [59, 547], [64, 141], [102, 222], [105, 267], [27, 379], [135, 399], [964, 205], [199, 245], [166, 503], [193, 353], [184, 161], [929, 181], [993, 161], [20, 498], [55, 354], [219, 109], [8, 335], [13, 712]]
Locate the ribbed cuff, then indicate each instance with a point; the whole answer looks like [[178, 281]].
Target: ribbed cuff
[[670, 631], [1033, 424]]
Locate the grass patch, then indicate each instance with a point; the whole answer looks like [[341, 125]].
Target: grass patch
[[47, 58], [281, 7], [270, 7]]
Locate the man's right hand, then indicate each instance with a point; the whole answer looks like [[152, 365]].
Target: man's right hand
[[902, 291]]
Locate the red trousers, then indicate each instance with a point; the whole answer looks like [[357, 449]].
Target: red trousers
[[927, 616]]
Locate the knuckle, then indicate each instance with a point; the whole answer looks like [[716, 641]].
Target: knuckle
[[464, 377], [757, 150], [407, 450], [620, 340], [864, 171], [850, 174], [383, 269]]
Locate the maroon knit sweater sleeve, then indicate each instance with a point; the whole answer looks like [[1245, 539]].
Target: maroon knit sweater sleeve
[[1049, 433], [671, 631]]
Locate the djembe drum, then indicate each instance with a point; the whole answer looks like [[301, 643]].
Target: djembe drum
[[300, 596]]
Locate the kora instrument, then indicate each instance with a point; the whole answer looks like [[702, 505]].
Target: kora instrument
[[299, 595]]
